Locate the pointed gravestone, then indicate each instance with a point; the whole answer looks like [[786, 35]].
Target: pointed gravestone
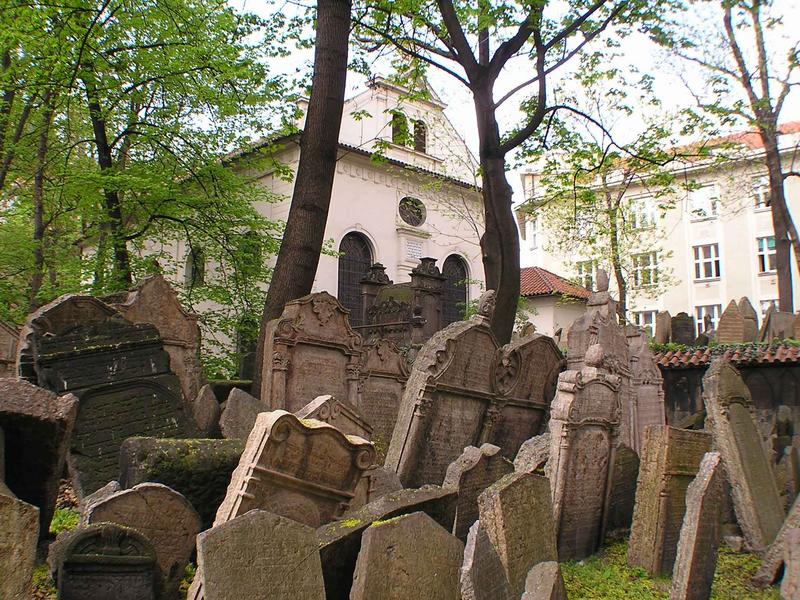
[[482, 573], [239, 415], [516, 513], [344, 417], [730, 328], [19, 530], [544, 582], [773, 558], [663, 327], [682, 329], [410, 556], [730, 415], [670, 459], [647, 385], [206, 412], [750, 320], [696, 559], [533, 454]]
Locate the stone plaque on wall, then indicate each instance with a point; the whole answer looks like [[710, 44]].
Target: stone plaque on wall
[[384, 372]]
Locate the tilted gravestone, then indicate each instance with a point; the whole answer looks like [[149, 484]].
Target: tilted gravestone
[[373, 484], [773, 558], [533, 454], [682, 330], [259, 555], [623, 488], [239, 415], [584, 425], [470, 474], [696, 559], [730, 416], [516, 513], [118, 370], [309, 351], [663, 328], [730, 329], [410, 556], [750, 317], [206, 412], [790, 586], [670, 459], [344, 417], [544, 582], [776, 325], [9, 336], [163, 516], [37, 427], [482, 573], [449, 401], [19, 532]]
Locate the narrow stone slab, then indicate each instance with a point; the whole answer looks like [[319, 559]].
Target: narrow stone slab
[[19, 531], [623, 488], [774, 556], [544, 582], [533, 454], [517, 514], [482, 573], [206, 412], [730, 329], [239, 415], [410, 556], [373, 484], [790, 586], [344, 417], [471, 473], [750, 319], [696, 558]]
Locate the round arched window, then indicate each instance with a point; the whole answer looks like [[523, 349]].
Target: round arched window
[[412, 211]]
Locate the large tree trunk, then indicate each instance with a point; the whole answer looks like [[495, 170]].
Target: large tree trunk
[[612, 207], [38, 203], [301, 247]]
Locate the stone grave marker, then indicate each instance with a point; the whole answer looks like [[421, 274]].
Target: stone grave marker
[[623, 489], [647, 385], [118, 370], [239, 415], [516, 513], [344, 417], [37, 426], [482, 573], [773, 558], [106, 562], [470, 474], [796, 327], [670, 459], [544, 582], [19, 532], [776, 325], [384, 372], [730, 329], [696, 559], [410, 556], [373, 484], [9, 336], [682, 330], [750, 317], [790, 585], [533, 454], [206, 412], [730, 415], [663, 327], [259, 555], [584, 425], [163, 516], [309, 351], [449, 401]]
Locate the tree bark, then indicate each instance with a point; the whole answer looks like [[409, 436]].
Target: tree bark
[[301, 247], [38, 203], [612, 207]]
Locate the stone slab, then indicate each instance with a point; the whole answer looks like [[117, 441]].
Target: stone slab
[[239, 415], [682, 330], [730, 328], [206, 412], [544, 582], [773, 558], [19, 532], [482, 573], [533, 454], [623, 488], [344, 417], [790, 586]]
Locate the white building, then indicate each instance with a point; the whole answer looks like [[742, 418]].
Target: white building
[[716, 243]]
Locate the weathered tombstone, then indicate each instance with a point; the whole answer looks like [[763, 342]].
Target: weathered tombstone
[[200, 470], [206, 412], [9, 336], [384, 372], [730, 417], [584, 423], [449, 401], [750, 319], [482, 573], [106, 562], [670, 459], [258, 555], [118, 370], [471, 473], [623, 489], [773, 558], [663, 327], [796, 326], [410, 556], [544, 582], [647, 385], [682, 329], [790, 586], [533, 454], [373, 484], [310, 350], [37, 426], [163, 516], [154, 301], [776, 325], [239, 415], [696, 559], [516, 513], [730, 328], [19, 531], [344, 417]]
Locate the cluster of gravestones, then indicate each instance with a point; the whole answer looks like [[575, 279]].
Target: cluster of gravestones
[[355, 476]]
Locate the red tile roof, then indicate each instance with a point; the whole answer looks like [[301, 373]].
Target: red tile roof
[[742, 355], [752, 140], [536, 281]]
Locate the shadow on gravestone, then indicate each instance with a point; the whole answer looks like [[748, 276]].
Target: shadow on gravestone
[[19, 531], [773, 558]]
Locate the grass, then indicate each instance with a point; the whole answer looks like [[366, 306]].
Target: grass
[[607, 576], [64, 519]]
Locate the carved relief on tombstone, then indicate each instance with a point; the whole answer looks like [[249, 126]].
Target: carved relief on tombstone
[[384, 372]]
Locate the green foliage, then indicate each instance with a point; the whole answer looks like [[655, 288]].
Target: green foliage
[[186, 582], [746, 349], [64, 519], [44, 587]]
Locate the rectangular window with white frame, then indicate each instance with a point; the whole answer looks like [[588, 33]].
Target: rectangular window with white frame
[[586, 273], [761, 197], [704, 202], [644, 271], [646, 319], [766, 254], [641, 213], [706, 262], [533, 232], [765, 305], [712, 311]]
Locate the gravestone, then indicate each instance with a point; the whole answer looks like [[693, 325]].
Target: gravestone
[[309, 351], [544, 582], [670, 459], [647, 385], [663, 327], [37, 426], [239, 415], [206, 412], [533, 454], [118, 370], [730, 328], [470, 474], [730, 416], [373, 484], [584, 425], [516, 513], [696, 559], [19, 532], [163, 516], [773, 558], [9, 336], [623, 489], [790, 586], [449, 401], [682, 330], [482, 573], [526, 374], [344, 417], [776, 325], [259, 555], [750, 317], [410, 556], [384, 372], [154, 301], [106, 562]]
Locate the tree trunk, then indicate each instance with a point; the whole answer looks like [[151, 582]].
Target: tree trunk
[[38, 203], [612, 206], [301, 247]]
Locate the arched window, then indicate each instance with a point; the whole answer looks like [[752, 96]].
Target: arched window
[[454, 294], [354, 261], [399, 129], [420, 136]]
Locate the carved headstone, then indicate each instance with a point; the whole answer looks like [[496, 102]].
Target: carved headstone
[[9, 337], [773, 558], [309, 351], [776, 325], [384, 372], [663, 327], [623, 488], [410, 556], [19, 530], [37, 426], [533, 454], [344, 417], [790, 586], [670, 459], [584, 423], [730, 329], [471, 473], [544, 582], [730, 417], [206, 412], [682, 330], [482, 573], [239, 415], [750, 319], [696, 558], [516, 513], [647, 385]]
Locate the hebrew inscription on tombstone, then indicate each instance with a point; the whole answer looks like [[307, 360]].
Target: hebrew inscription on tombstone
[[9, 336], [384, 372], [344, 417]]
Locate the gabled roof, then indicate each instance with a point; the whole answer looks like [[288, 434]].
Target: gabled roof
[[536, 281]]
